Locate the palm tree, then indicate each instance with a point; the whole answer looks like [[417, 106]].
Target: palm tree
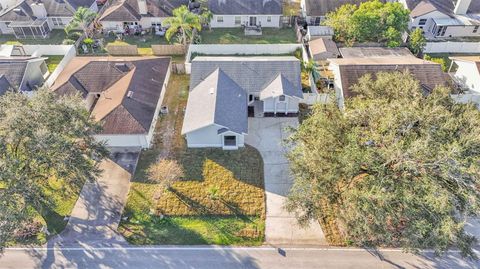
[[81, 19], [312, 67], [183, 22]]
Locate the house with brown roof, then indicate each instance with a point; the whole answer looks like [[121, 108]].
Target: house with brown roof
[[36, 18], [347, 72], [441, 19], [124, 94], [138, 13]]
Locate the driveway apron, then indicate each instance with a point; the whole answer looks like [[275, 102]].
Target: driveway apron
[[267, 135]]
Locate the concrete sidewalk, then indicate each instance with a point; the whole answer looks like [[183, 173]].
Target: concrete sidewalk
[[96, 215], [267, 134]]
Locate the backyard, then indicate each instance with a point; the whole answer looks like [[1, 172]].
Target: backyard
[[144, 43], [237, 36], [220, 200], [56, 38], [53, 61]]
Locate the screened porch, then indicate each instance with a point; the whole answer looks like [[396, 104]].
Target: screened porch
[[30, 29]]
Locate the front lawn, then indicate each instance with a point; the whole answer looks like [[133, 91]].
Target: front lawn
[[56, 38], [237, 36], [220, 201]]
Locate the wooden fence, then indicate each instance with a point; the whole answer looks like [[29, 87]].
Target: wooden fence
[[161, 50], [122, 50]]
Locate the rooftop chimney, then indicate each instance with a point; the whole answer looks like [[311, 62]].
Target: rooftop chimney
[[39, 10], [142, 7], [461, 7]]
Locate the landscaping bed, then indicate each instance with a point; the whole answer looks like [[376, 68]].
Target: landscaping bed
[[220, 200]]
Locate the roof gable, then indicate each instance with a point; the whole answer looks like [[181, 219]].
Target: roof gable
[[217, 100], [280, 86]]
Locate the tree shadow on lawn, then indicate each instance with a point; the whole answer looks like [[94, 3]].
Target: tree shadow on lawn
[[246, 164]]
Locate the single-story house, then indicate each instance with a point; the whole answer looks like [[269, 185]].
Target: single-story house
[[238, 13], [125, 94], [467, 74], [369, 52], [322, 49], [444, 18], [225, 91], [138, 13], [315, 10], [22, 73], [35, 19], [347, 72]]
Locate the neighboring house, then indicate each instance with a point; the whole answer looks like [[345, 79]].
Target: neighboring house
[[124, 94], [315, 10], [368, 52], [323, 48], [467, 74], [445, 18], [138, 13], [23, 74], [238, 13], [224, 91], [35, 19], [347, 72]]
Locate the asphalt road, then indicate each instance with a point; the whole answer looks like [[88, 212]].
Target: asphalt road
[[216, 257]]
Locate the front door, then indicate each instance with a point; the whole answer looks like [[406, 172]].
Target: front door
[[253, 21]]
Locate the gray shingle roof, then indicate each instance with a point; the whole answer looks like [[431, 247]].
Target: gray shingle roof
[[128, 10], [54, 8], [280, 86], [360, 52], [246, 7], [13, 73], [252, 74], [217, 100], [421, 7]]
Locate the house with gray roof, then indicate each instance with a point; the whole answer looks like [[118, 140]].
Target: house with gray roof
[[443, 19], [23, 74], [124, 94], [36, 18], [225, 91], [245, 13], [138, 13]]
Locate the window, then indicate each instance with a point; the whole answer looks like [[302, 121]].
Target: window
[[441, 30], [281, 98], [475, 29], [422, 22], [155, 24], [238, 20], [250, 98], [220, 19], [229, 140], [57, 21], [269, 18]]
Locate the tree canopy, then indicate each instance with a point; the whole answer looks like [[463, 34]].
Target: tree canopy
[[417, 41], [397, 167], [183, 22], [42, 137], [371, 21]]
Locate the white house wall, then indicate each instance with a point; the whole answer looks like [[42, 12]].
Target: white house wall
[[145, 22], [4, 29], [274, 105], [468, 75], [229, 21], [429, 23], [461, 31], [205, 137]]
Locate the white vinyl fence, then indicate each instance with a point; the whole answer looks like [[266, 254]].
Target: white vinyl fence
[[452, 47], [238, 50]]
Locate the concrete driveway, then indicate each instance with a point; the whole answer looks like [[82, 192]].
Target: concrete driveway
[[96, 215], [267, 134]]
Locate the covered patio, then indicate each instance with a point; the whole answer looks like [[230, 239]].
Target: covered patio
[[30, 29]]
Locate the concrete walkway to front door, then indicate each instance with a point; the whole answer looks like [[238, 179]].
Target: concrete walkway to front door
[[267, 134], [96, 215]]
